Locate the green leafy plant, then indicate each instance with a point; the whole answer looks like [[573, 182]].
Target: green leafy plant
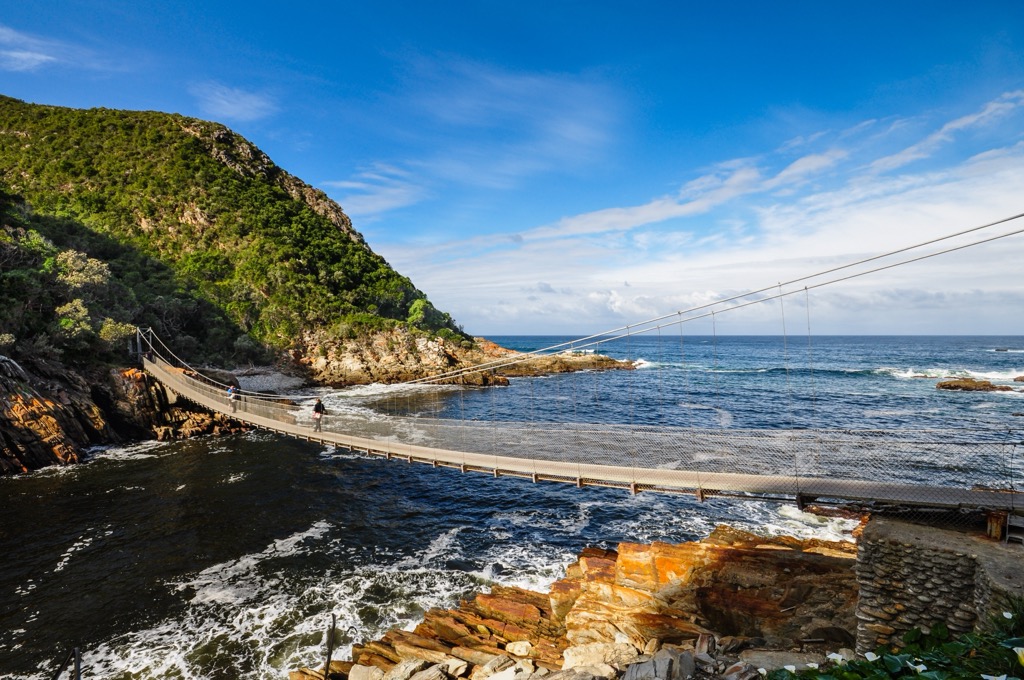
[[995, 653]]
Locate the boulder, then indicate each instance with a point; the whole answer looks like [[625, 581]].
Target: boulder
[[971, 385], [405, 669], [771, 660], [360, 672], [617, 655], [519, 648]]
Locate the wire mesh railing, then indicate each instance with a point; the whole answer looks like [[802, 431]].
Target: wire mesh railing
[[953, 469]]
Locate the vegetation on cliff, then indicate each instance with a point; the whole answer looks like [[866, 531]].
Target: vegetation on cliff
[[110, 219]]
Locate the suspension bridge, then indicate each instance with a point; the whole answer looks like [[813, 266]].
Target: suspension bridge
[[869, 467]]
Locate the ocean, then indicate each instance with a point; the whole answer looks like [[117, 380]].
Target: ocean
[[225, 557]]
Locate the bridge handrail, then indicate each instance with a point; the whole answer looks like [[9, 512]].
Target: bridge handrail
[[776, 464], [191, 382]]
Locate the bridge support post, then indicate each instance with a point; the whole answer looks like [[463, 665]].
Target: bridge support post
[[996, 523], [802, 501]]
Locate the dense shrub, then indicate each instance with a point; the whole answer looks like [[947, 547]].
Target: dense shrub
[[158, 220]]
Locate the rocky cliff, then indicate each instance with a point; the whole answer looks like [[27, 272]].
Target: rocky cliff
[[50, 415], [722, 605]]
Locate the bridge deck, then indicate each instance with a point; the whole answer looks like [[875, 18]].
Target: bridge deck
[[285, 419]]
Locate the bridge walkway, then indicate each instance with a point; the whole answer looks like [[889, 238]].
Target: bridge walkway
[[278, 415]]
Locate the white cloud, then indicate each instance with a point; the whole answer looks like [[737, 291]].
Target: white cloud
[[232, 103], [21, 52], [377, 190], [726, 232], [991, 112], [808, 165], [23, 60]]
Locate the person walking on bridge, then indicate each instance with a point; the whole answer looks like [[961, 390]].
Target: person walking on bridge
[[318, 415]]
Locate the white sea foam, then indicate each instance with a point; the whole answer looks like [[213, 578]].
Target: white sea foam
[[794, 522], [945, 372], [81, 543], [214, 583], [140, 450], [443, 546], [126, 488], [241, 608]]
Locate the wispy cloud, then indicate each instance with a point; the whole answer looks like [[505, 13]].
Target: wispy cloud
[[733, 228], [377, 190], [809, 165], [480, 126], [223, 102], [501, 126], [991, 112], [23, 60], [21, 52]]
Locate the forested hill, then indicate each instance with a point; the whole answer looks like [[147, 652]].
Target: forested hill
[[111, 219]]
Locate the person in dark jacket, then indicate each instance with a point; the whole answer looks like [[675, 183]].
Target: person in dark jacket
[[318, 415]]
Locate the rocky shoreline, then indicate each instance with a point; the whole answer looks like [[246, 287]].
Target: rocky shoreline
[[723, 607], [50, 414], [734, 606], [398, 355]]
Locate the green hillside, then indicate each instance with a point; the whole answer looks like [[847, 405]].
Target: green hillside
[[118, 218]]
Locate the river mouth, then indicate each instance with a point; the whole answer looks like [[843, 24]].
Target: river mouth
[[225, 557]]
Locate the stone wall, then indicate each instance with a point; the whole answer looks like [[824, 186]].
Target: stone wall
[[913, 576]]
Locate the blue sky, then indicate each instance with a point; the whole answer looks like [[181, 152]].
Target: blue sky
[[569, 167]]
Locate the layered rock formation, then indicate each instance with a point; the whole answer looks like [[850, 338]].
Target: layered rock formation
[[51, 415], [706, 606], [44, 422]]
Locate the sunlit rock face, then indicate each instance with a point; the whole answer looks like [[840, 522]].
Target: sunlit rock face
[[734, 591], [51, 415]]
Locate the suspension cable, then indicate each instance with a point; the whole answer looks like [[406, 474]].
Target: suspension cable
[[646, 326], [653, 324]]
